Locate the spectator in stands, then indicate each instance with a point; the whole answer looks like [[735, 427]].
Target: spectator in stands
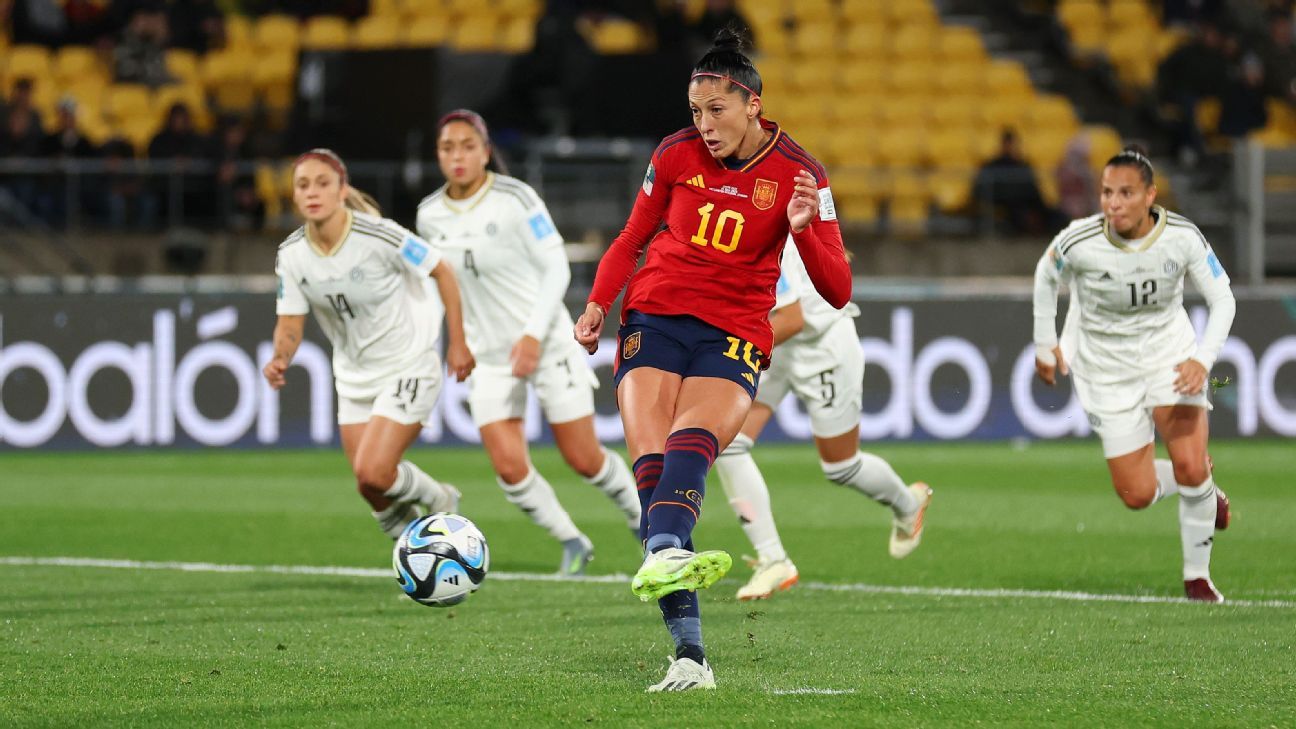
[[719, 14], [36, 21], [21, 136], [198, 25], [1076, 186], [189, 154], [240, 208], [139, 57], [1279, 57], [20, 103], [128, 200], [1196, 70], [1007, 184], [1189, 12], [88, 21], [1242, 107], [66, 140]]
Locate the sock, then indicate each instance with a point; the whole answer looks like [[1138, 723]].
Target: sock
[[745, 487], [615, 481], [684, 621], [874, 478], [413, 485], [647, 471], [677, 501], [536, 497], [1166, 485], [1197, 527], [395, 518]]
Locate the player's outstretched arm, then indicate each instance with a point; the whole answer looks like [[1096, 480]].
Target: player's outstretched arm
[[459, 358], [287, 338], [819, 241]]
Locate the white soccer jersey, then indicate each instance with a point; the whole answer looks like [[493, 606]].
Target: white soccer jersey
[[794, 285], [510, 263], [1127, 318], [371, 296]]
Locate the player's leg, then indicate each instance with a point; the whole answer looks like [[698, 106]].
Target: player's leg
[[1186, 430], [1124, 425]]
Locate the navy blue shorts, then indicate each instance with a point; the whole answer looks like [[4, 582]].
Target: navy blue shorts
[[687, 346]]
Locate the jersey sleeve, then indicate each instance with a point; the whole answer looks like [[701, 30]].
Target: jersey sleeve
[[537, 227], [1049, 272], [788, 289], [823, 252], [289, 299], [622, 256], [543, 246], [414, 252], [1208, 276]]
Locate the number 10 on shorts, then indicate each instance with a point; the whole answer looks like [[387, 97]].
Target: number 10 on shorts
[[732, 353]]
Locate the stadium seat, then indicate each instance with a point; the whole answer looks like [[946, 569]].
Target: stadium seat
[[274, 69], [866, 41], [960, 44], [191, 95], [1130, 14], [1208, 115], [867, 11], [1104, 143], [817, 39], [916, 42], [182, 65], [475, 34], [127, 101], [426, 9], [962, 79], [951, 190], [813, 11], [385, 9], [427, 31], [1044, 147], [1052, 112], [862, 77], [238, 31], [1081, 13], [613, 36], [1007, 78], [906, 112], [277, 33], [812, 75], [913, 78], [912, 13], [75, 62], [1009, 111], [902, 149], [377, 31], [26, 61], [860, 111], [139, 131], [227, 74], [326, 32], [1046, 180], [518, 35], [953, 148], [528, 9]]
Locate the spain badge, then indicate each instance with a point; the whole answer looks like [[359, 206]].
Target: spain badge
[[764, 193], [630, 347]]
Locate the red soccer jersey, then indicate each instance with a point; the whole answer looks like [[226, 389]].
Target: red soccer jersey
[[718, 257]]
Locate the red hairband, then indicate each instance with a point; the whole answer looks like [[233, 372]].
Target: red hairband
[[469, 116], [730, 79], [328, 157]]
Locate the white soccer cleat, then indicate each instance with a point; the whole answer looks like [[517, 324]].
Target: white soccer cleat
[[906, 531], [768, 578], [685, 674], [446, 499], [577, 554]]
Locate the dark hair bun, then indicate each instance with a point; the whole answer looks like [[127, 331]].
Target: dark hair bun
[[727, 40]]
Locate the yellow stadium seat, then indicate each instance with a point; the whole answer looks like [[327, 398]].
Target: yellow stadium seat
[[862, 76], [1052, 112], [956, 112], [1104, 143], [858, 211], [1169, 40], [227, 75], [529, 9], [274, 69], [1081, 13], [139, 131], [326, 32], [427, 31], [238, 31], [191, 96], [912, 13], [74, 62], [126, 101], [1281, 114], [1045, 147], [518, 35], [954, 148], [385, 8], [1087, 39], [476, 33], [871, 11], [859, 110], [89, 94], [902, 148], [1007, 78], [1048, 187], [45, 96], [26, 61], [961, 79], [813, 10], [813, 75], [278, 97], [426, 8], [268, 191], [817, 38], [182, 65], [855, 182], [866, 40], [918, 42], [377, 31], [614, 37], [1008, 111], [1130, 14], [913, 77], [277, 32], [1208, 115], [960, 44], [951, 190], [908, 112], [774, 40], [853, 151]]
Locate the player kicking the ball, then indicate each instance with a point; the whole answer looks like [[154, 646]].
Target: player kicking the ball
[[1134, 359], [817, 356]]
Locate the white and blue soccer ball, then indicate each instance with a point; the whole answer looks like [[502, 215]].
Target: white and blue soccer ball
[[441, 559]]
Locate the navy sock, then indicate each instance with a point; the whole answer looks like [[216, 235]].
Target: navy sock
[[680, 611], [647, 471], [677, 504]]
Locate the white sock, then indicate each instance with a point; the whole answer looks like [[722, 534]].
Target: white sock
[[413, 485], [395, 518], [1197, 527], [617, 483], [874, 478], [748, 494], [1166, 484], [536, 497]]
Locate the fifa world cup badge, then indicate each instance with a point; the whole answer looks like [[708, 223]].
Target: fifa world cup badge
[[630, 347], [764, 193]]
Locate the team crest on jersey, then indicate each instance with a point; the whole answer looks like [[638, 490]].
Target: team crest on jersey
[[764, 193], [357, 275], [630, 347], [491, 229], [1170, 267]]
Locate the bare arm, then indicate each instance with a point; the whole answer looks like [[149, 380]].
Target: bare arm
[[458, 358], [787, 321], [287, 338]]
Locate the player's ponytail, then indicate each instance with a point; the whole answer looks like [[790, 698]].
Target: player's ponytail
[[1136, 156], [494, 162], [361, 202], [726, 60]]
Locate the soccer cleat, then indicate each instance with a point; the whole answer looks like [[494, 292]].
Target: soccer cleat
[[446, 500], [1202, 590], [906, 531], [674, 569], [685, 674], [1222, 515], [577, 554], [768, 578]]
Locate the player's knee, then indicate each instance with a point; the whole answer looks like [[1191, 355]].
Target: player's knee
[[512, 471], [1137, 498], [1191, 473], [587, 462], [374, 479]]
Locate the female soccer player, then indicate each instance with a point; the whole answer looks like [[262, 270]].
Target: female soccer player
[[817, 356], [695, 319], [509, 259], [1135, 361], [365, 278]]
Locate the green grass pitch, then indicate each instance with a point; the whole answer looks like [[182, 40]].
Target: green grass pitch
[[99, 647]]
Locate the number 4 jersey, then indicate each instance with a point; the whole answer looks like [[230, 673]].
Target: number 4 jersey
[[1126, 317], [726, 223], [372, 297]]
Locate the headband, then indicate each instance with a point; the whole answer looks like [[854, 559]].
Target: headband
[[469, 116], [1138, 157], [328, 157], [730, 79]]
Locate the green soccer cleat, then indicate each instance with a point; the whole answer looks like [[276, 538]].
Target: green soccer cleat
[[673, 569]]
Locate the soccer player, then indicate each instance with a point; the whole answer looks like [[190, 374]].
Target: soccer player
[[817, 356], [512, 270], [695, 325], [365, 277], [1135, 362]]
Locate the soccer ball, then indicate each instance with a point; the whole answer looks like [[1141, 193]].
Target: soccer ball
[[440, 559]]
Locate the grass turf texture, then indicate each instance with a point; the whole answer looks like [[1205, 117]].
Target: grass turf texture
[[117, 647]]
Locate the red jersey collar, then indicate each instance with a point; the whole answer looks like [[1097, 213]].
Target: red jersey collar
[[746, 165]]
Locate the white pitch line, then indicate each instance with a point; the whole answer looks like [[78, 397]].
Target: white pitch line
[[909, 590], [811, 692]]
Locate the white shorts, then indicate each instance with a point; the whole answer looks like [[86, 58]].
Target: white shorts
[[826, 374], [563, 382], [1121, 412], [407, 399]]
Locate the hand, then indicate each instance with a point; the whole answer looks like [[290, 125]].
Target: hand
[[589, 326], [525, 356], [274, 372], [1048, 372], [804, 205], [1192, 377], [460, 360]]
